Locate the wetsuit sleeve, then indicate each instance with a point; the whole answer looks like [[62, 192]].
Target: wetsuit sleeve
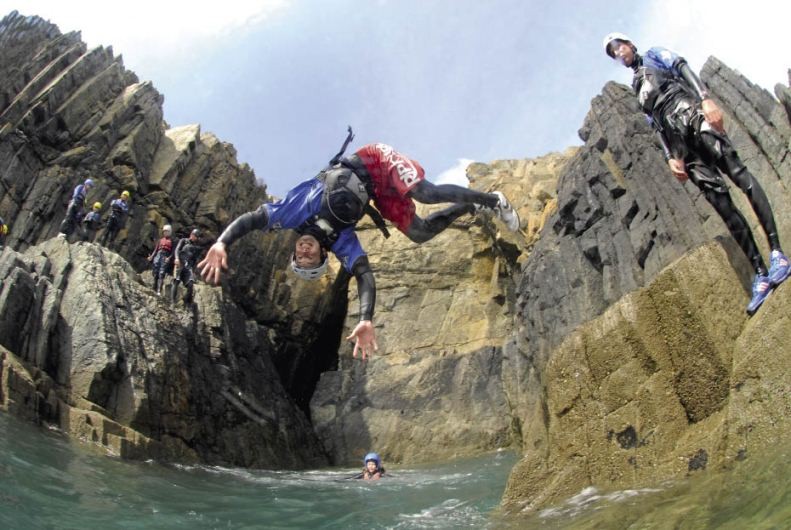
[[691, 78], [244, 224], [366, 287], [665, 147], [178, 248], [661, 137]]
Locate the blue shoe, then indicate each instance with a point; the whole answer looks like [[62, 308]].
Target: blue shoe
[[779, 268], [761, 289]]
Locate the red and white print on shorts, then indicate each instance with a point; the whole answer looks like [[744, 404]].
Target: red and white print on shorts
[[393, 175]]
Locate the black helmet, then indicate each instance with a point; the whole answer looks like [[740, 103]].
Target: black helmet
[[195, 232]]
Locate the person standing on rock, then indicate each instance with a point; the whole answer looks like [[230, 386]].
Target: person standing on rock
[[91, 222], [119, 209], [162, 258], [690, 128], [325, 209], [188, 251], [75, 210]]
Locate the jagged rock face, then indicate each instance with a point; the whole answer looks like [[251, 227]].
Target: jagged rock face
[[670, 380], [91, 349], [67, 113], [621, 219], [434, 388]]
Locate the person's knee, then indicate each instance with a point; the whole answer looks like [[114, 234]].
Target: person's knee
[[418, 232]]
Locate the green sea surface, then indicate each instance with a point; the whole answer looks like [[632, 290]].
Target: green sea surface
[[48, 481]]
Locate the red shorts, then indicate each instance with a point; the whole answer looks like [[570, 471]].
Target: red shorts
[[393, 176]]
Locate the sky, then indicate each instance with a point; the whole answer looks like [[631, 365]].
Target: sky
[[445, 82]]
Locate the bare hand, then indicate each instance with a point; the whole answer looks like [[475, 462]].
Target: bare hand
[[214, 263], [713, 115], [365, 338], [677, 168]]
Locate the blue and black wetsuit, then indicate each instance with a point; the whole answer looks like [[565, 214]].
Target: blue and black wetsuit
[[90, 224], [75, 210], [119, 209], [670, 94], [330, 214]]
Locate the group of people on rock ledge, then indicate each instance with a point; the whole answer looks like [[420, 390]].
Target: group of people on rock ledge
[[167, 259]]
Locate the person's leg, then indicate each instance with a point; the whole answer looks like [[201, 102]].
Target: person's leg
[[429, 193], [189, 281], [156, 266], [174, 288], [739, 229], [421, 230], [728, 162], [67, 226]]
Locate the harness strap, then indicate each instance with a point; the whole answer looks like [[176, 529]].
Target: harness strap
[[377, 218], [349, 138]]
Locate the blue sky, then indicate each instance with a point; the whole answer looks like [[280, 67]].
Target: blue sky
[[444, 81]]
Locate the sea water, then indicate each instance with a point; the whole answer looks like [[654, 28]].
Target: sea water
[[47, 481]]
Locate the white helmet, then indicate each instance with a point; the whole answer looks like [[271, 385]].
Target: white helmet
[[309, 274], [167, 228], [614, 36]]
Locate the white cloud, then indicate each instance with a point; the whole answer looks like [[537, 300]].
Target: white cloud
[[751, 37], [456, 174], [150, 30]]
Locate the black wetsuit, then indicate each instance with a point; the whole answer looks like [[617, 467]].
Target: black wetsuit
[[119, 209], [188, 253], [90, 224], [670, 94]]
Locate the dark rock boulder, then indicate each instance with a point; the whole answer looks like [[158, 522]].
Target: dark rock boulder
[[92, 350]]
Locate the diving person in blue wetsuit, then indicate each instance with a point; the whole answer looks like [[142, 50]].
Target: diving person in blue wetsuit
[[690, 129], [325, 210]]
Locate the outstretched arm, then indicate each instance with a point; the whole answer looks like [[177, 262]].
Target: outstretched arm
[[364, 334], [216, 259]]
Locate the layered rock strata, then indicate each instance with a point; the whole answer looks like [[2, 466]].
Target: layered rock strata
[[68, 113], [621, 220], [91, 350], [671, 380]]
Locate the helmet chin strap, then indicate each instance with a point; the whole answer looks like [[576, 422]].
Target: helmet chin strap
[[638, 60]]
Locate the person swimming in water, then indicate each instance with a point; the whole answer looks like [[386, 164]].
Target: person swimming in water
[[372, 467]]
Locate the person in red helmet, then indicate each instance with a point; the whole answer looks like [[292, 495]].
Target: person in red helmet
[[161, 258]]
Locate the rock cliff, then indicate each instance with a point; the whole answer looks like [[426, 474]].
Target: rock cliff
[[67, 113], [621, 221], [607, 339]]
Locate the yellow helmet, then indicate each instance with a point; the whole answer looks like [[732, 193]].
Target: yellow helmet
[[4, 229], [97, 206], [124, 194]]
